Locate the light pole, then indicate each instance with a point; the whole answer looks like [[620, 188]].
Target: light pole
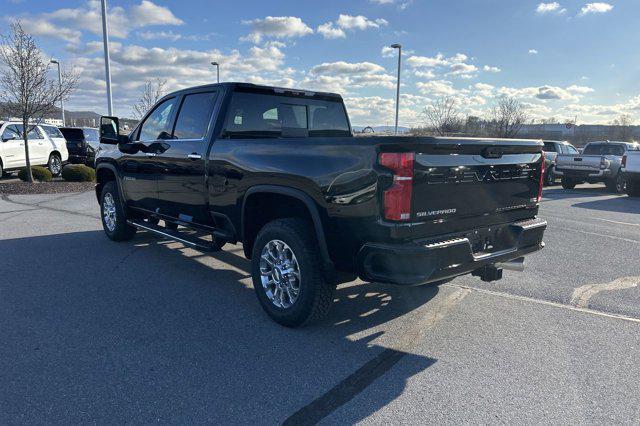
[[399, 47], [217, 65], [54, 61], [107, 64]]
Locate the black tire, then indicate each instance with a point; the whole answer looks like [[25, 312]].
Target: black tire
[[549, 177], [120, 230], [170, 225], [315, 294], [54, 165], [633, 188], [1, 171], [568, 183], [616, 185]]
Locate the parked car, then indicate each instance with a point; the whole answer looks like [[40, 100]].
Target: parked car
[[43, 150], [631, 171], [599, 162], [551, 151], [83, 143], [280, 171]]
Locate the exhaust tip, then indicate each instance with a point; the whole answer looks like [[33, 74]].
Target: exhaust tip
[[512, 265]]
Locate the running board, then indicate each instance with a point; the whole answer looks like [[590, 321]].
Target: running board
[[193, 242]]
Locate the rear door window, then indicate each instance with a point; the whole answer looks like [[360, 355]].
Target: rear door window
[[549, 147], [157, 125], [194, 116]]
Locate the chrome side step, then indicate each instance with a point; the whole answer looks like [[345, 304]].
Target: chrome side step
[[193, 242]]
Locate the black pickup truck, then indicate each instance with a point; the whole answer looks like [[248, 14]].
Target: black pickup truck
[[279, 171]]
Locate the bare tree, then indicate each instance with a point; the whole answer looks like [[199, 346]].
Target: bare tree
[[26, 91], [507, 117], [151, 92], [622, 128], [443, 116]]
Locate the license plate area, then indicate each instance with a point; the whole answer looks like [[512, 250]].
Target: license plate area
[[491, 240]]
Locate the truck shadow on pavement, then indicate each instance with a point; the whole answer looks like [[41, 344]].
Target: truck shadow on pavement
[[622, 204], [579, 192], [95, 331]]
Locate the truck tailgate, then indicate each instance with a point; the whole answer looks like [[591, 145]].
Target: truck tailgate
[[452, 187], [590, 163]]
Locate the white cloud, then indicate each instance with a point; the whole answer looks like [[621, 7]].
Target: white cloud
[[599, 7], [428, 74], [533, 52], [488, 68], [553, 7], [333, 30], [345, 76], [580, 89], [359, 22], [462, 69], [388, 52], [276, 27], [437, 88], [427, 62], [328, 31], [68, 23]]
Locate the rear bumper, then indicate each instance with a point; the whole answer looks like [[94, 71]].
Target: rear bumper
[[416, 263], [584, 174]]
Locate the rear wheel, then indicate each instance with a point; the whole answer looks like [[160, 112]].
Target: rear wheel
[[114, 219], [617, 185], [633, 188], [54, 164], [568, 183], [287, 273]]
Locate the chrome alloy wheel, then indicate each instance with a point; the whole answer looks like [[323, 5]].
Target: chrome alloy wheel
[[55, 165], [109, 212], [280, 274]]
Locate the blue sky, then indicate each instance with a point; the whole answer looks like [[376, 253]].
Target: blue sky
[[561, 59]]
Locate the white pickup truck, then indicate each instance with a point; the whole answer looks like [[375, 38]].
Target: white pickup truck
[[631, 171], [599, 162]]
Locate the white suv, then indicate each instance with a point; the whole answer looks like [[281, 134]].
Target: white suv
[[44, 150]]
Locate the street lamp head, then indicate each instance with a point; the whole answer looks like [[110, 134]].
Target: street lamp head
[[215, 64], [54, 61], [396, 46]]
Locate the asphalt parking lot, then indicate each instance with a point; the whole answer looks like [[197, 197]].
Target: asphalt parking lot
[[151, 331]]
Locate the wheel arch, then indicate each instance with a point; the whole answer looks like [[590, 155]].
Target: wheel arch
[[249, 232], [106, 172]]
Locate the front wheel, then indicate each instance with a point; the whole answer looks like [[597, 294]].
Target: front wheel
[[54, 165], [287, 273], [114, 220], [568, 183]]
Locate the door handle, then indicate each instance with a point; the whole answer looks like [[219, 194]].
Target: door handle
[[194, 156]]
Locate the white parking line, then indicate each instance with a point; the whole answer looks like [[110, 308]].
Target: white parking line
[[629, 240], [582, 295], [548, 303], [618, 223]]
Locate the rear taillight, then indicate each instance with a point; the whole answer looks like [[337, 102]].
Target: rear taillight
[[541, 178], [624, 161], [397, 199]]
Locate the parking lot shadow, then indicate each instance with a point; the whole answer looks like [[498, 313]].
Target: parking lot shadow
[[556, 193], [96, 331], [622, 204]]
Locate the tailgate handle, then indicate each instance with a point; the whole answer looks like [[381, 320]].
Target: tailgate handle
[[492, 152]]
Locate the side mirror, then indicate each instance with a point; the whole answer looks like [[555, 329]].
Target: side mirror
[[109, 130]]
